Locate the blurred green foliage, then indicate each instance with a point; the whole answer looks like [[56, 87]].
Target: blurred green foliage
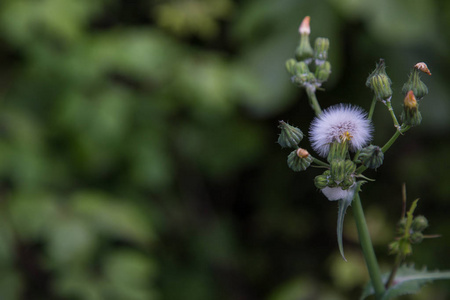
[[138, 156]]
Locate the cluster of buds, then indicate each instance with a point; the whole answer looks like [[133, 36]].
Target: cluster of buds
[[290, 137], [414, 90], [410, 231], [305, 55]]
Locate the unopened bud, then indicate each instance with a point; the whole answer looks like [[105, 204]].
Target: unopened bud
[[304, 26], [411, 114], [337, 169], [299, 160], [347, 183], [419, 224], [304, 51], [416, 237], [337, 151], [422, 67], [371, 156], [380, 83], [321, 181], [401, 226], [323, 71], [290, 66], [415, 84], [321, 46], [290, 136]]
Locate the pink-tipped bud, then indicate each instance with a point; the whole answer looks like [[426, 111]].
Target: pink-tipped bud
[[422, 67], [304, 27], [302, 153]]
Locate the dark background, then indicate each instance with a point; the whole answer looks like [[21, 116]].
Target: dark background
[[138, 155]]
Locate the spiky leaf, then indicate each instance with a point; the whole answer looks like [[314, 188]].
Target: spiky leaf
[[407, 281]]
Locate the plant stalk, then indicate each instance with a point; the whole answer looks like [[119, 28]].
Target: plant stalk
[[367, 248], [311, 91]]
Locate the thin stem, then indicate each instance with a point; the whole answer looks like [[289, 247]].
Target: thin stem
[[391, 111], [319, 162], [386, 146], [398, 261], [389, 143], [372, 108], [367, 248], [311, 91]]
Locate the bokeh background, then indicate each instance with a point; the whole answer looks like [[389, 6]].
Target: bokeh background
[[138, 155]]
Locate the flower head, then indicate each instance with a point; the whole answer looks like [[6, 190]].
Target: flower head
[[340, 123]]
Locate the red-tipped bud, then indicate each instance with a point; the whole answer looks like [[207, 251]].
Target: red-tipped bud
[[304, 27], [422, 67], [410, 100]]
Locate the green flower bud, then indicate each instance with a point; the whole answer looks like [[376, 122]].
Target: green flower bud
[[347, 183], [411, 114], [371, 156], [414, 82], [380, 83], [416, 237], [350, 167], [321, 181], [321, 46], [337, 169], [299, 160], [301, 69], [290, 136], [304, 51], [401, 226], [290, 66], [337, 151], [419, 224], [323, 71]]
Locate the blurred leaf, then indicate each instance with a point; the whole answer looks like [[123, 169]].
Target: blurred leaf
[[120, 220]]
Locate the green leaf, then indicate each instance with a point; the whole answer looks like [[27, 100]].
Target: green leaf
[[407, 281], [343, 205]]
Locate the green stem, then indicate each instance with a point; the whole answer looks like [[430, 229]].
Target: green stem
[[386, 146], [400, 131], [398, 261], [311, 91], [372, 108], [367, 248], [391, 111], [319, 162]]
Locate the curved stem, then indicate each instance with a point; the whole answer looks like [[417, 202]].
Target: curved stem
[[367, 248], [311, 91]]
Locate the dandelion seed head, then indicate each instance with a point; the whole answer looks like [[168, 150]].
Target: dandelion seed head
[[339, 123]]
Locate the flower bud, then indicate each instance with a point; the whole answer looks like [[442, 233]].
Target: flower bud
[[411, 114], [290, 136], [323, 71], [299, 160], [321, 46], [350, 167], [371, 156], [419, 224], [401, 226], [380, 83], [415, 84], [416, 237], [337, 169], [422, 67], [290, 66], [321, 181], [337, 151], [347, 183], [304, 51]]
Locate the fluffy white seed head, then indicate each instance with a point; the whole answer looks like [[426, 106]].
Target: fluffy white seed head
[[338, 122]]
